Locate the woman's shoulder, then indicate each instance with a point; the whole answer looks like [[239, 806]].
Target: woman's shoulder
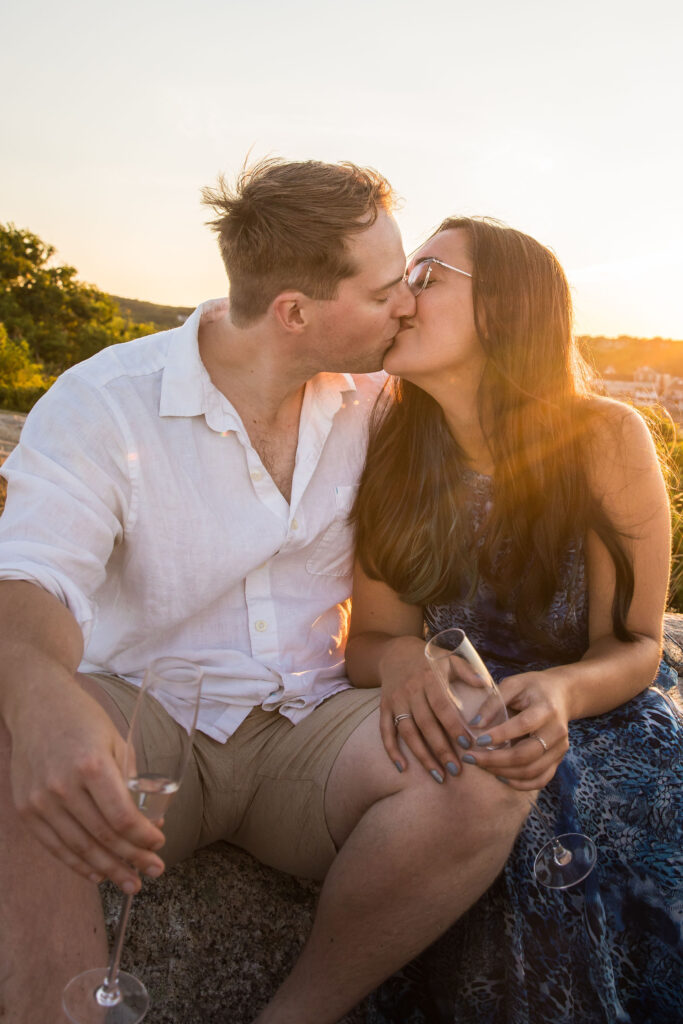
[[614, 425], [608, 414], [620, 445]]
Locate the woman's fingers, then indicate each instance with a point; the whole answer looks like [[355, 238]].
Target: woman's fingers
[[387, 730], [490, 712], [533, 784], [527, 761], [424, 736]]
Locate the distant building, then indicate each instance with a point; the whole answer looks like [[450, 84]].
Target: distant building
[[622, 390], [645, 373], [648, 388]]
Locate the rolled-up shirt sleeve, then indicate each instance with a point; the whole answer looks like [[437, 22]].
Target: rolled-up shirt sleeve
[[69, 496]]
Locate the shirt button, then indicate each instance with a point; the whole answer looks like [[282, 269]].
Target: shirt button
[[261, 625], [256, 474], [295, 525]]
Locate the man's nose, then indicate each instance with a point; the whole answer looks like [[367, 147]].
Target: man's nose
[[406, 303]]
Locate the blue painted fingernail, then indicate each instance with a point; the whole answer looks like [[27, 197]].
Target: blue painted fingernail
[[452, 768], [476, 720], [399, 766], [501, 779], [437, 776], [469, 759], [484, 741], [464, 742]]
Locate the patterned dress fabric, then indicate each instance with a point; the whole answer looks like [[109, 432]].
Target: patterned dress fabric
[[610, 949]]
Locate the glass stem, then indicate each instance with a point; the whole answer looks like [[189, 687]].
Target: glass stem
[[109, 988], [561, 856], [558, 848]]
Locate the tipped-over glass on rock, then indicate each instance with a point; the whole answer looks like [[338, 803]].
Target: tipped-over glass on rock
[[565, 859], [107, 995]]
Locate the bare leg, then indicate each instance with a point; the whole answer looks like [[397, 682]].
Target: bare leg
[[51, 922], [420, 854]]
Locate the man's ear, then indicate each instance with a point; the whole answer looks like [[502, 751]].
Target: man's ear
[[290, 310]]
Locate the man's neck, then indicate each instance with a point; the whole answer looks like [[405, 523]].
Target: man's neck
[[263, 385], [251, 369]]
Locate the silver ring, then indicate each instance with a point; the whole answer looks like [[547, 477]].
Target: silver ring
[[398, 718], [534, 736]]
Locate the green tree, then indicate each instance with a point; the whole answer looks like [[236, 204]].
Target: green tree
[[22, 381], [670, 449], [16, 365], [676, 485], [61, 319]]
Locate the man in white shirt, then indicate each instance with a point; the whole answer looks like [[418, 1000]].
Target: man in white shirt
[[188, 494]]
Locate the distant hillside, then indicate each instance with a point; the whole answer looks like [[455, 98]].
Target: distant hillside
[[163, 317], [624, 355]]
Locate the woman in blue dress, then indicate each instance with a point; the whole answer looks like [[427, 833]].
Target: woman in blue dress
[[502, 496]]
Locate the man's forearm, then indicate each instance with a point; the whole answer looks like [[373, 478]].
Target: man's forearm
[[41, 643]]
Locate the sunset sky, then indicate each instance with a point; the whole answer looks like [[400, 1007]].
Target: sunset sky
[[562, 120]]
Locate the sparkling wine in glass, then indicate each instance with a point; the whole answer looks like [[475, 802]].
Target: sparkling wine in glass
[[108, 995], [565, 859]]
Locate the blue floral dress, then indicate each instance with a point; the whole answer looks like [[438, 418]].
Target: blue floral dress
[[610, 949]]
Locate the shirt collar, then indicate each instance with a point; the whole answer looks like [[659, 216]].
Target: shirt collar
[[185, 381], [187, 389]]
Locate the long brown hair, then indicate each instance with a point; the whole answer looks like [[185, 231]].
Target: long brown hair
[[535, 410]]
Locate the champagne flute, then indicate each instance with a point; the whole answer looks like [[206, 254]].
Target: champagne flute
[[109, 994], [565, 860]]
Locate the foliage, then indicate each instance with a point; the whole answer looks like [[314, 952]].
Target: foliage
[[22, 381], [670, 449], [676, 588], [16, 366], [61, 319]]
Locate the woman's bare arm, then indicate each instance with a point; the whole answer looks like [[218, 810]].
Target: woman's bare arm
[[386, 649]]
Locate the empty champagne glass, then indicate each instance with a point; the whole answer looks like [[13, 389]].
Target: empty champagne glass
[[109, 995], [565, 859]]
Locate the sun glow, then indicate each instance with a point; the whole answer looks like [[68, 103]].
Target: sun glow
[[518, 112]]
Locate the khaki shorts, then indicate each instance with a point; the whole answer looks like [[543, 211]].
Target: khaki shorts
[[264, 789]]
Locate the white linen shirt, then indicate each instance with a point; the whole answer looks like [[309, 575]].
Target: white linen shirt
[[137, 499]]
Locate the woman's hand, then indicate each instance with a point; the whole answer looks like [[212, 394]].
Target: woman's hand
[[431, 724], [537, 730]]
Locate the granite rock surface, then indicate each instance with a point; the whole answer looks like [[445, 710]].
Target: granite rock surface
[[213, 937]]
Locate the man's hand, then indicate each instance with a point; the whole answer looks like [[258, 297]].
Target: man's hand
[[67, 781], [67, 754]]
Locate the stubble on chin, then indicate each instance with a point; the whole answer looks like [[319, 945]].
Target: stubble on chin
[[368, 363]]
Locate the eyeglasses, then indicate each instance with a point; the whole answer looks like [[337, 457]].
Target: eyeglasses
[[418, 277]]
